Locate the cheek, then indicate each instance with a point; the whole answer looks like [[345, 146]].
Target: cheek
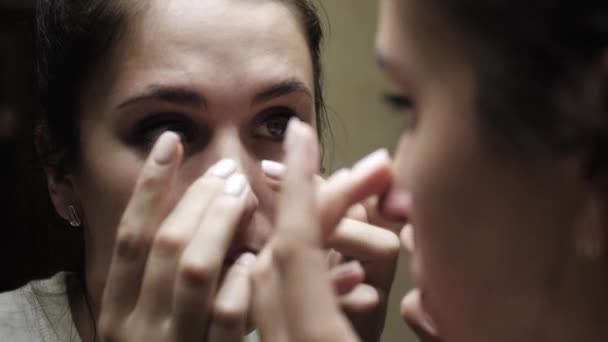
[[107, 185], [443, 175]]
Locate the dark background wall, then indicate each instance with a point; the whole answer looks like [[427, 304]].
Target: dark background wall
[[33, 242]]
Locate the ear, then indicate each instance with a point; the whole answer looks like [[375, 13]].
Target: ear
[[60, 182], [61, 191]]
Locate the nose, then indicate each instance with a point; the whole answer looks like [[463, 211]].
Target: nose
[[396, 203], [227, 144]]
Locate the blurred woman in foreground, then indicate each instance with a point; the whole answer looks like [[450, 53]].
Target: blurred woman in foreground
[[501, 176]]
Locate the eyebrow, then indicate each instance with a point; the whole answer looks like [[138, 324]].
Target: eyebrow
[[177, 95], [281, 89], [189, 98]]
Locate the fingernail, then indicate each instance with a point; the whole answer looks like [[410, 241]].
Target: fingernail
[[164, 149], [372, 161], [273, 169], [224, 168], [235, 185], [293, 129], [247, 259]]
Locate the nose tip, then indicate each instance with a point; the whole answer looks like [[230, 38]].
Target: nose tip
[[396, 205]]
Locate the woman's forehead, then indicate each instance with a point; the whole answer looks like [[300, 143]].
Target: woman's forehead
[[230, 21], [219, 45]]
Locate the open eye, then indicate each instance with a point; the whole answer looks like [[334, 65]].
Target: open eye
[[150, 128], [273, 125]]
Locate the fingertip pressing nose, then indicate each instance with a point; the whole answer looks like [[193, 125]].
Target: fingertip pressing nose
[[224, 168], [273, 169]]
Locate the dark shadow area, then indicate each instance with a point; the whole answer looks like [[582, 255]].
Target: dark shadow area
[[34, 242]]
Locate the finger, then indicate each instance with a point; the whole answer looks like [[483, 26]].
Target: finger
[[231, 306], [334, 258], [297, 199], [363, 241], [267, 311], [156, 297], [346, 277], [414, 315], [201, 264], [138, 226], [340, 180], [344, 187], [307, 295], [365, 307], [357, 212], [371, 206], [275, 171], [375, 248], [372, 175], [361, 298]]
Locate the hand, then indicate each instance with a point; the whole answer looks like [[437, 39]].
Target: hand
[[366, 304], [363, 282], [167, 263], [293, 296]]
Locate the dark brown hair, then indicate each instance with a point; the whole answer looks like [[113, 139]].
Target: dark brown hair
[[533, 60]]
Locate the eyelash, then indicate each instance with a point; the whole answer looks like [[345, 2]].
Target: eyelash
[[284, 114], [150, 128], [405, 105], [398, 102]]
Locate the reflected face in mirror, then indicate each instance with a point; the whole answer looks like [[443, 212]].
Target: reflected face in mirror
[[487, 227], [225, 75]]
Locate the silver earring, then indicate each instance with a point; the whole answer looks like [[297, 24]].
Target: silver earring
[[73, 217]]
